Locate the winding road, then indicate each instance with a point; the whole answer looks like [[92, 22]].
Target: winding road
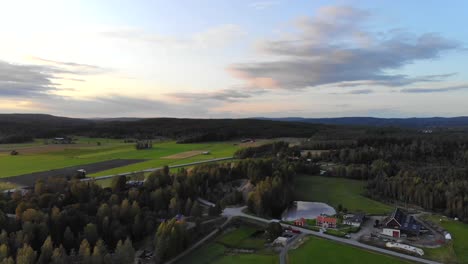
[[238, 212]]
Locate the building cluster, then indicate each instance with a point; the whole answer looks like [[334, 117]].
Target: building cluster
[[400, 224]]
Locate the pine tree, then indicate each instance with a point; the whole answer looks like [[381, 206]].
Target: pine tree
[[85, 252], [97, 257], [8, 260], [46, 251], [59, 256], [91, 233], [3, 237], [3, 251], [68, 239], [26, 255], [124, 252]]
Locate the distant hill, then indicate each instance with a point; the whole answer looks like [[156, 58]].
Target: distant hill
[[430, 122], [24, 127], [16, 128]]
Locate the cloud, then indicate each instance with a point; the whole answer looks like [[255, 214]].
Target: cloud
[[262, 5], [214, 37], [221, 95], [435, 90], [20, 80], [333, 47], [73, 67]]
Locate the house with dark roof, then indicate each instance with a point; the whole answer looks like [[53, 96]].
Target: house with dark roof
[[354, 219], [399, 222]]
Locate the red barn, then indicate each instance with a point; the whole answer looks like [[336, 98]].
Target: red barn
[[300, 222], [326, 221]]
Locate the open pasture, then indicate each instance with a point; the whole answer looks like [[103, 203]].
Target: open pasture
[[223, 249], [335, 191], [88, 151]]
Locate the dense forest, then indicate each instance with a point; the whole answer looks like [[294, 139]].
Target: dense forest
[[428, 170]]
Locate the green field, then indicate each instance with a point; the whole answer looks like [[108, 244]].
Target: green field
[[87, 151], [335, 191], [455, 251], [217, 252], [325, 251]]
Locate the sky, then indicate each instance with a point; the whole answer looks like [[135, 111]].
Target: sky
[[234, 59]]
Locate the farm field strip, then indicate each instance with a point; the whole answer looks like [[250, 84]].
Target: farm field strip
[[326, 251], [110, 150]]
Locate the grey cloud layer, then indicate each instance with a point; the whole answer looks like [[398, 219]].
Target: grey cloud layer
[[19, 80], [221, 95], [332, 47], [25, 80]]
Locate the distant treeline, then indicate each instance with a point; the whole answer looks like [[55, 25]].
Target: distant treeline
[[266, 150], [17, 128]]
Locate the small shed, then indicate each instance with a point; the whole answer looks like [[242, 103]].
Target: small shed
[[448, 236]]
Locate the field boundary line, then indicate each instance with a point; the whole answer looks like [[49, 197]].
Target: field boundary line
[[155, 169]]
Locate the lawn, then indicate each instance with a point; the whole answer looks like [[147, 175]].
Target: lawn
[[87, 151], [325, 251], [335, 191], [242, 238], [217, 252], [457, 250]]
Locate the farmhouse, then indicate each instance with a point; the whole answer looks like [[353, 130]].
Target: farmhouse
[[399, 222], [354, 219], [326, 221]]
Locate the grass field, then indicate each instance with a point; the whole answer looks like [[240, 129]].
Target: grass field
[[86, 151], [217, 252], [326, 251], [457, 250], [335, 191]]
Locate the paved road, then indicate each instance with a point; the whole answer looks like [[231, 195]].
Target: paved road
[[237, 211], [284, 250], [154, 169]]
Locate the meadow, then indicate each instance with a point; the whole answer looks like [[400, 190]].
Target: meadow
[[336, 191], [455, 251], [217, 251], [326, 251], [34, 157]]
